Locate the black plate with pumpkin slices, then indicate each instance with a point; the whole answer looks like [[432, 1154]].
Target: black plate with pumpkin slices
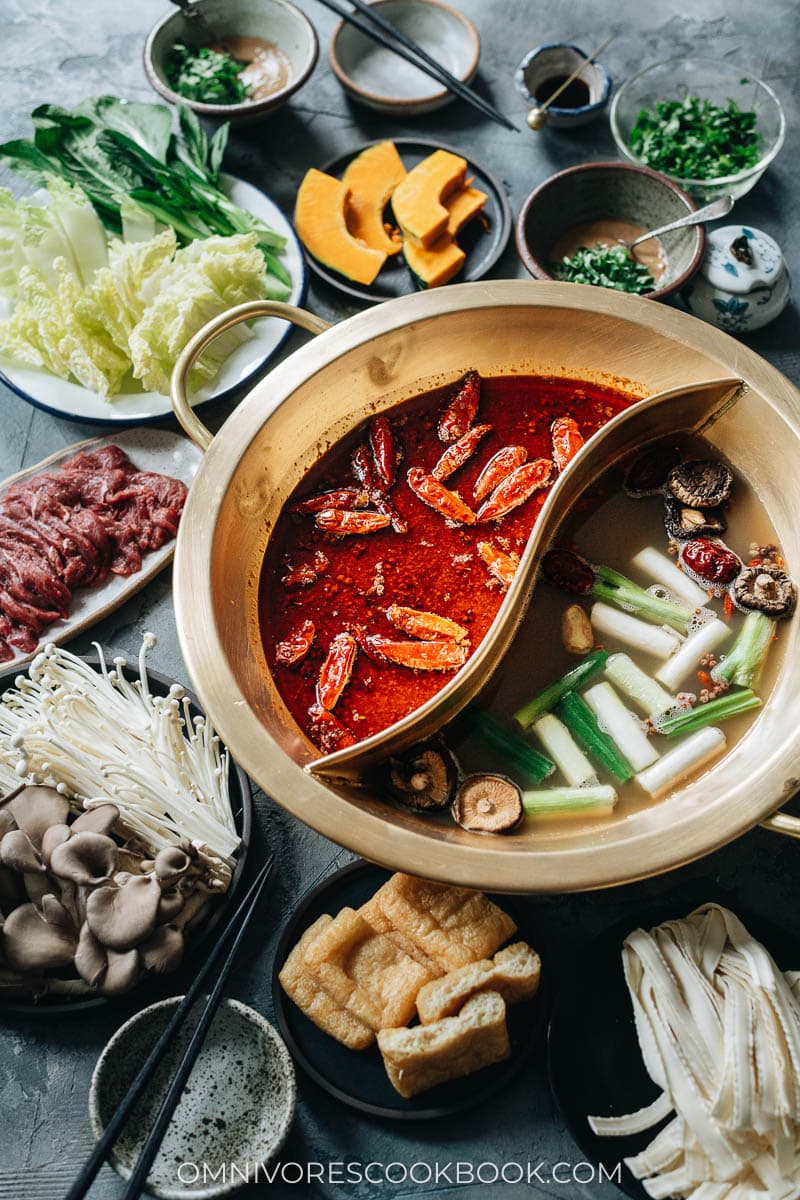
[[394, 217]]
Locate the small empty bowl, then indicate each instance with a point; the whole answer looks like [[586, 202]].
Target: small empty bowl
[[545, 67], [376, 77], [235, 1111], [275, 21], [609, 191]]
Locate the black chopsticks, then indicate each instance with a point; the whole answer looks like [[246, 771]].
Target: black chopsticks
[[241, 916], [382, 31]]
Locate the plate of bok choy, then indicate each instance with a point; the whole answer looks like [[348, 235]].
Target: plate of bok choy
[[133, 241]]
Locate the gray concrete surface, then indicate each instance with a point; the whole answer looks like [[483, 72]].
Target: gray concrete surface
[[60, 52]]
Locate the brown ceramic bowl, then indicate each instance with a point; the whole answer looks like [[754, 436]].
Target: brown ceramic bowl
[[275, 21], [609, 190]]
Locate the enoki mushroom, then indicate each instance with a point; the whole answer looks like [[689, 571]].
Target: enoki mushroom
[[96, 737], [719, 1029]]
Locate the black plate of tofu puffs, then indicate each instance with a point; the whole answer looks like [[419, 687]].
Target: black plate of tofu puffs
[[392, 992]]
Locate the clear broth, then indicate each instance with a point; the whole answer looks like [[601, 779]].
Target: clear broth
[[618, 521]]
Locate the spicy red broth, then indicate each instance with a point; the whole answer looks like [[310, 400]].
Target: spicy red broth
[[317, 585]]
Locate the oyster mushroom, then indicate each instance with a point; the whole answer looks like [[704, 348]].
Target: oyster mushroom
[[171, 902], [767, 589], [31, 943], [7, 822], [424, 777], [488, 804], [701, 482], [11, 889], [90, 957], [682, 522], [170, 865], [122, 971], [35, 809], [122, 917], [18, 852], [55, 913], [100, 819], [56, 835], [86, 858], [163, 950]]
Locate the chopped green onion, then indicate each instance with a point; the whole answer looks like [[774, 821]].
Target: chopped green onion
[[693, 752], [518, 752], [574, 678], [623, 593], [605, 266], [210, 76], [649, 639], [748, 653], [649, 697], [622, 725], [582, 724], [721, 709], [696, 139], [596, 801], [564, 750], [661, 568], [687, 657]]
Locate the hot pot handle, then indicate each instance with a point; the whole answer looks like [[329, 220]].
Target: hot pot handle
[[192, 426], [781, 822]]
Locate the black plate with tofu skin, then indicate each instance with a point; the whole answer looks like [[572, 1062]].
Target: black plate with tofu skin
[[358, 1077]]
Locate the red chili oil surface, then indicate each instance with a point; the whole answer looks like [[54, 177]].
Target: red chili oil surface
[[434, 566]]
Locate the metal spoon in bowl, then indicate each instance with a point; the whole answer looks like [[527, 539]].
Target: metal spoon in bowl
[[192, 12], [717, 208]]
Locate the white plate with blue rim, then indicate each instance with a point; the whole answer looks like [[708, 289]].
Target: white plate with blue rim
[[134, 407]]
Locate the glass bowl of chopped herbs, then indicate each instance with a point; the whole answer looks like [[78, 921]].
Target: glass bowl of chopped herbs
[[710, 126]]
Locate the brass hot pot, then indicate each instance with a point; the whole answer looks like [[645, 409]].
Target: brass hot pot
[[373, 361]]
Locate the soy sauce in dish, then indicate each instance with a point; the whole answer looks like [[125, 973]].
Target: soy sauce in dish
[[575, 95]]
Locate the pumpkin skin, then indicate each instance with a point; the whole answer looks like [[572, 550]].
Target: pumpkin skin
[[372, 177], [418, 200]]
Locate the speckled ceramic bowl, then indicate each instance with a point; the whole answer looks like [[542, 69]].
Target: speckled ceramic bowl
[[376, 77], [275, 21], [235, 1112], [609, 190], [557, 60]]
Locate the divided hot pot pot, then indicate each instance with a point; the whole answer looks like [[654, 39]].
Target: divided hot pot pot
[[746, 409]]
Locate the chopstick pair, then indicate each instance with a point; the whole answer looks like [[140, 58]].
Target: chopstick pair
[[386, 34], [84, 1180]]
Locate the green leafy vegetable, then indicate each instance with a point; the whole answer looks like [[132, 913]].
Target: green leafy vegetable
[[137, 312], [605, 266], [125, 156], [210, 76], [695, 139]]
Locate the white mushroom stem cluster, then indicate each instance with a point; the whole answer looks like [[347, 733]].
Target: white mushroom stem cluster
[[719, 1028], [98, 738]]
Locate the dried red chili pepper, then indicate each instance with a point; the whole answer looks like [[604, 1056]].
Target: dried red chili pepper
[[384, 450]]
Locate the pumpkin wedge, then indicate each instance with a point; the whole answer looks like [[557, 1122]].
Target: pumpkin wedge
[[372, 177], [319, 218], [462, 207], [418, 200], [436, 265]]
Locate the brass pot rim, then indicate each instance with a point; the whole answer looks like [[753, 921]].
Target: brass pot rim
[[494, 863]]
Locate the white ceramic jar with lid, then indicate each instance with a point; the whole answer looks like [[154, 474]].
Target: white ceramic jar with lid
[[743, 283]]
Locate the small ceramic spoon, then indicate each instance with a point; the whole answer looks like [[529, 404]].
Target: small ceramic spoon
[[718, 208]]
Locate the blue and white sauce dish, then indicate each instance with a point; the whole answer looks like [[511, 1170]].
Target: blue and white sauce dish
[[743, 283], [545, 67]]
